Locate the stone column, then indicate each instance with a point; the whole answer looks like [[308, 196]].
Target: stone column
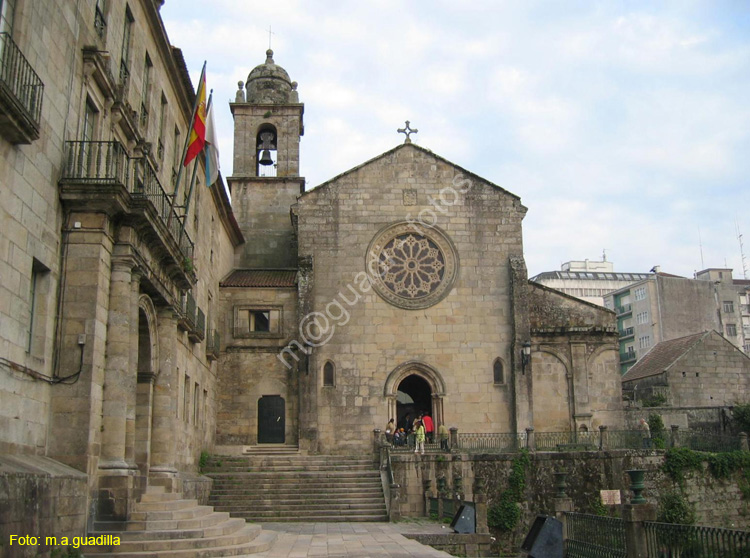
[[117, 368], [454, 438], [603, 442], [164, 421], [634, 516], [130, 380], [530, 442]]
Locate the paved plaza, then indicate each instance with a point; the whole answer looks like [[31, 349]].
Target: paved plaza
[[363, 540]]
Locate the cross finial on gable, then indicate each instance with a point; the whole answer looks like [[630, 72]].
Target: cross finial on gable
[[407, 131]]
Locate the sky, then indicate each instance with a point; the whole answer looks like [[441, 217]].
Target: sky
[[623, 126]]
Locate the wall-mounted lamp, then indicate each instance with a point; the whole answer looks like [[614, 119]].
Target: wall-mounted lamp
[[525, 355]]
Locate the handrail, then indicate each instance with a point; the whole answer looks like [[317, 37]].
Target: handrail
[[19, 77]]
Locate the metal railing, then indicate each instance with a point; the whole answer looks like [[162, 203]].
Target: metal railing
[[496, 442], [666, 539], [200, 323], [627, 332], [100, 23], [19, 79], [627, 357], [213, 342], [189, 309], [124, 80], [593, 535], [107, 162], [624, 309], [566, 441], [705, 441]]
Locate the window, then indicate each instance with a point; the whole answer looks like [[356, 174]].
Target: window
[[640, 293], [147, 66], [728, 307], [498, 373], [186, 399], [641, 318], [125, 54], [100, 23], [7, 8], [176, 157], [205, 403], [88, 134], [644, 342], [257, 321], [328, 374], [731, 330], [162, 113], [196, 403]]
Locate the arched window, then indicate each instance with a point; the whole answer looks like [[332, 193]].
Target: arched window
[[329, 374], [497, 372], [266, 151]]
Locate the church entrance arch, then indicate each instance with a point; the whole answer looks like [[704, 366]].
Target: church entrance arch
[[271, 419], [412, 388]]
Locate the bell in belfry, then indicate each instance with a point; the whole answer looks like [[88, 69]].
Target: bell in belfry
[[265, 158]]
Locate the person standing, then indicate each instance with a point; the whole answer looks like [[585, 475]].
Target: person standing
[[443, 435], [420, 437], [429, 427], [390, 430], [646, 433]]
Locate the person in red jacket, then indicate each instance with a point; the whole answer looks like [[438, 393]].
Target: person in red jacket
[[429, 427]]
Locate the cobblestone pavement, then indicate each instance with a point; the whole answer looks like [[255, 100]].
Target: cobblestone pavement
[[361, 540]]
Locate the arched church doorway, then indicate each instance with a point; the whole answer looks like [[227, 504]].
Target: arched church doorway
[[271, 419], [414, 397]]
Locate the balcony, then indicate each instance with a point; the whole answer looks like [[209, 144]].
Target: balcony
[[213, 343], [21, 93], [198, 333], [624, 309], [100, 23], [627, 332], [100, 176], [627, 357]]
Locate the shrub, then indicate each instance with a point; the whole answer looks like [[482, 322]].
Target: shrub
[[742, 417], [504, 515], [674, 508]]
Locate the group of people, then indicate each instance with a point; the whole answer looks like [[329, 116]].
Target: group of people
[[415, 433]]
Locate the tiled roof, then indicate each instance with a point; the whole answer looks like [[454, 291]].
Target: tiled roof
[[662, 356], [261, 278]]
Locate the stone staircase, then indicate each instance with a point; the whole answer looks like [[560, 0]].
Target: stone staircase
[[288, 486], [163, 525]]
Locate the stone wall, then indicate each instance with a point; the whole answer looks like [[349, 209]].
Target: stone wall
[[719, 503], [455, 341], [41, 498]]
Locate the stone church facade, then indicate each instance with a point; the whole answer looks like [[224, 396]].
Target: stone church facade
[[397, 287]]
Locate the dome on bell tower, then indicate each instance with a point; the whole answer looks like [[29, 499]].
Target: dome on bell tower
[[269, 83]]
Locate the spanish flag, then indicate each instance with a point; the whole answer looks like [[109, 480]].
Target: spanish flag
[[198, 131]]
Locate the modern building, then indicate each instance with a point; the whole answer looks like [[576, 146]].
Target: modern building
[[588, 280], [664, 307]]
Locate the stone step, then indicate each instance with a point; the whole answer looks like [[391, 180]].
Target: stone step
[[244, 535], [161, 515], [157, 496], [261, 543], [309, 508], [297, 475], [295, 484], [228, 527], [285, 468], [251, 494], [210, 520], [167, 505], [337, 517]]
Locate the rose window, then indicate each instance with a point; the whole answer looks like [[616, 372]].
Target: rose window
[[411, 266]]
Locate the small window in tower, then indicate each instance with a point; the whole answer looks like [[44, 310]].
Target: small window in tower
[[266, 151], [257, 321], [260, 320], [497, 372], [328, 374]]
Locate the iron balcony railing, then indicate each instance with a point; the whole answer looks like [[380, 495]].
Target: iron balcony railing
[[624, 309], [668, 539], [107, 162], [200, 323], [627, 357], [590, 535], [19, 79], [213, 342], [627, 332], [189, 308], [566, 441], [124, 79], [496, 442]]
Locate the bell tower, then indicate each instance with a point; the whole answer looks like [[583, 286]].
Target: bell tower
[[265, 182]]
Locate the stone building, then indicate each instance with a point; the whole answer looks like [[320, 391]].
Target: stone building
[[699, 370], [664, 307], [397, 287], [110, 288]]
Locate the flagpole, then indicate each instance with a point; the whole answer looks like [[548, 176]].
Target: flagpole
[[187, 141], [205, 147], [187, 201]]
